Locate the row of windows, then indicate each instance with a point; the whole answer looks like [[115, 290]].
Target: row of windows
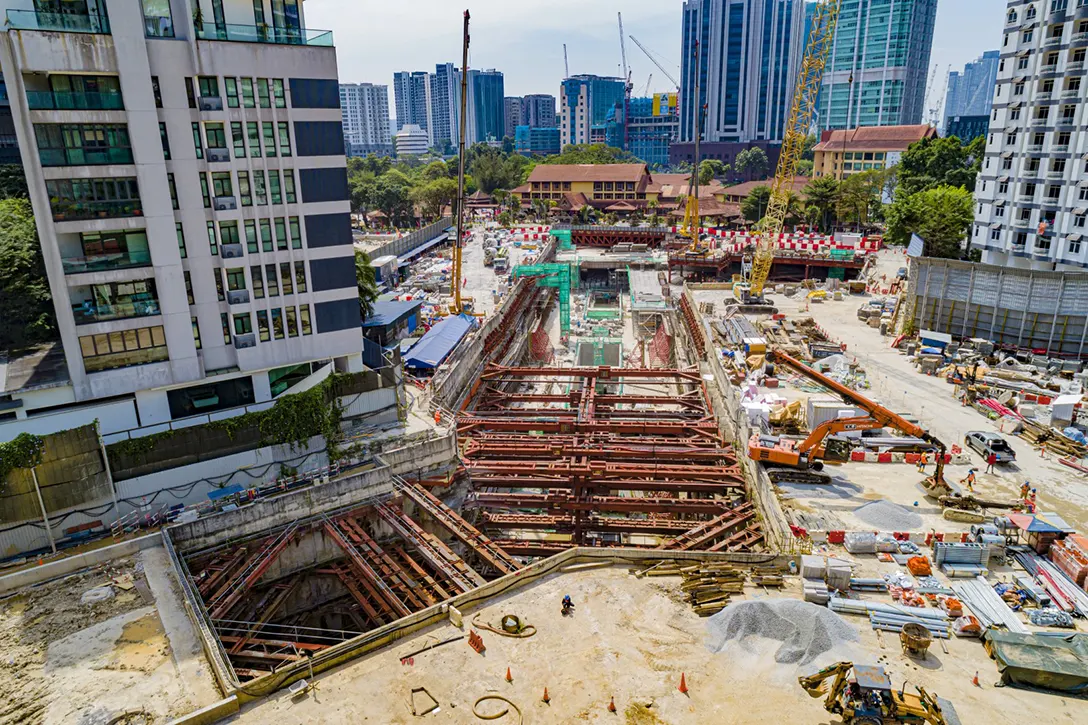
[[279, 322], [122, 349], [252, 133], [241, 92], [253, 187], [72, 144], [257, 232]]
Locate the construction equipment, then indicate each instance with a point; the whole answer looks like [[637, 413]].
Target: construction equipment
[[457, 305], [690, 227], [627, 86], [802, 462], [824, 20], [566, 66], [654, 60], [868, 698]]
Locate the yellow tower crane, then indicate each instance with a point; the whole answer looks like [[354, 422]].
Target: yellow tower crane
[[690, 227], [824, 20], [458, 304]]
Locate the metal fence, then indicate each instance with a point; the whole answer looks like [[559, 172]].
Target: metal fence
[[418, 238]]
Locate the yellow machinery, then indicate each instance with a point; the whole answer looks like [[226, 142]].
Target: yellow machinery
[[690, 228], [868, 698], [826, 17], [457, 305]]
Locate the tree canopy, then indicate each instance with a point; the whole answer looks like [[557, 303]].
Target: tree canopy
[[941, 216], [933, 162], [27, 317], [753, 162]]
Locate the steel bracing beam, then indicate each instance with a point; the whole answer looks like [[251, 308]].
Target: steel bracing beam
[[242, 581], [390, 570], [566, 524], [558, 501], [431, 548], [705, 533], [279, 592], [371, 579]]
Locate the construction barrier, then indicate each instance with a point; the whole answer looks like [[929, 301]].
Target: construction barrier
[[926, 538], [955, 459]]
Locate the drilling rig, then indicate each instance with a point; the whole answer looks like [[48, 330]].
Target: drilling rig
[[824, 21]]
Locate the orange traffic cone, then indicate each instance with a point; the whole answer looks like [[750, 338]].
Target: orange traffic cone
[[974, 680], [683, 684], [612, 704], [509, 677], [545, 699]]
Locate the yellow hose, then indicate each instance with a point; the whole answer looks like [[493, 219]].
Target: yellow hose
[[496, 716]]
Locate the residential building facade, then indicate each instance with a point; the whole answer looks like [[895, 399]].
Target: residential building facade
[[750, 52], [190, 196], [411, 93], [486, 106], [970, 93], [584, 104], [538, 111], [1032, 192], [411, 140], [365, 111], [967, 128], [879, 58], [512, 114], [597, 185], [444, 115], [851, 151], [9, 142]]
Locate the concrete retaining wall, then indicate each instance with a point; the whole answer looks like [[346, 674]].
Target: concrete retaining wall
[[210, 714], [75, 562]]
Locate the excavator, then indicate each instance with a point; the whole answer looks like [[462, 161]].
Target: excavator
[[793, 462], [869, 699]]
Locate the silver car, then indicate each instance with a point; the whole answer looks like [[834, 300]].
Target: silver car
[[985, 443]]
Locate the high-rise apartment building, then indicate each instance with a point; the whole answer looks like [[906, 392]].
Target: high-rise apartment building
[[538, 111], [876, 71], [190, 196], [486, 107], [970, 92], [584, 103], [445, 118], [512, 113], [411, 91], [750, 53], [1032, 195], [365, 110]]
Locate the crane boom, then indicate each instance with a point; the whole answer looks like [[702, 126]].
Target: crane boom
[[566, 67], [458, 242], [810, 76], [654, 61], [623, 48]]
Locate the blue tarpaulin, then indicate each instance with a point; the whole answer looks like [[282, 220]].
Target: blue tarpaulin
[[388, 313], [224, 492], [433, 348]]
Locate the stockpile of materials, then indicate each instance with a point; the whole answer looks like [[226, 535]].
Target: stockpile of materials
[[805, 631]]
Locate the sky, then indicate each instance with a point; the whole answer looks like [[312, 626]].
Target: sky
[[524, 38]]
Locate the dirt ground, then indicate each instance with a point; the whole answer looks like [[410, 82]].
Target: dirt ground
[[64, 661], [629, 639]]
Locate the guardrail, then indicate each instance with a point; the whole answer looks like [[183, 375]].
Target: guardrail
[[418, 238]]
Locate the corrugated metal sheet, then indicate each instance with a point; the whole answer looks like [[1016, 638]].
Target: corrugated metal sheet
[[438, 343]]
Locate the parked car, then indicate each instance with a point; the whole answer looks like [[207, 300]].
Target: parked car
[[985, 443]]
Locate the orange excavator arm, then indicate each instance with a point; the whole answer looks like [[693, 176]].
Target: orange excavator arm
[[816, 437]]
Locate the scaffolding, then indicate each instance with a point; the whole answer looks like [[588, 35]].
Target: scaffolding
[[555, 275]]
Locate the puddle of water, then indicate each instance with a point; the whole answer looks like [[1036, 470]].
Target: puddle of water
[[142, 645]]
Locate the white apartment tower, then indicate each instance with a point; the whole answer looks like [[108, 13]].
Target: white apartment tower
[[1032, 193], [365, 109], [190, 194]]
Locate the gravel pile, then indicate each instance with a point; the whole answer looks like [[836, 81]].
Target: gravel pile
[[805, 630], [888, 516]]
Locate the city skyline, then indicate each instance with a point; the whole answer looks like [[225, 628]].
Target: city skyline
[[501, 35]]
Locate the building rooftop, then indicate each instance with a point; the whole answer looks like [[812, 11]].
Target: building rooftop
[[391, 312], [588, 172], [741, 191], [674, 186], [874, 138], [38, 367]]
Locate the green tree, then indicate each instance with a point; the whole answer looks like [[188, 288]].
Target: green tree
[[860, 196], [362, 188], [13, 182], [711, 169], [434, 195], [27, 316], [752, 162], [435, 170], [754, 206], [597, 153], [804, 167], [367, 283], [934, 162], [807, 154], [941, 216], [821, 194], [392, 194]]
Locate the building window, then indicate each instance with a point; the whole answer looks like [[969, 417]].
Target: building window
[[271, 279], [289, 185], [266, 235], [286, 281], [285, 139], [221, 184], [228, 233], [212, 243], [197, 140], [123, 349], [243, 324], [165, 142], [277, 323], [296, 232], [259, 189], [274, 186], [1003, 188], [224, 320], [304, 318], [189, 288], [231, 87], [75, 199], [1073, 247], [243, 188], [281, 238], [82, 144], [251, 236], [196, 331], [258, 281], [173, 191], [181, 240], [208, 86], [300, 276], [278, 94], [239, 139], [217, 274], [262, 93], [262, 325], [247, 93], [204, 190], [995, 235], [269, 138], [292, 324], [254, 134], [189, 92], [215, 135]]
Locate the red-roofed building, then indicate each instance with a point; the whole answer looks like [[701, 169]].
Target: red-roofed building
[[853, 150], [601, 185]]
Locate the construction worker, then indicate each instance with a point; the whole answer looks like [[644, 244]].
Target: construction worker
[[969, 480], [923, 459], [1025, 488], [990, 461], [1031, 502], [568, 605], [1042, 448]]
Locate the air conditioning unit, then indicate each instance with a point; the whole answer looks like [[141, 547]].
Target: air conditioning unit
[[237, 296], [231, 251], [224, 203], [219, 156], [210, 103], [241, 342]]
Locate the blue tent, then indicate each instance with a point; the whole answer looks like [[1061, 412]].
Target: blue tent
[[434, 347]]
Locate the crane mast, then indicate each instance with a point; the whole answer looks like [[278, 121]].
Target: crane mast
[[691, 209], [566, 66], [809, 78], [458, 242], [627, 85]]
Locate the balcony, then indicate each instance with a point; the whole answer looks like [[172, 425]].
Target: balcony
[[65, 210], [264, 34], [1033, 148], [1040, 120], [106, 261], [58, 22], [1052, 201], [237, 296], [73, 101], [210, 103], [217, 156], [224, 203], [1066, 120], [85, 156], [1079, 38], [1075, 65], [231, 251], [1043, 96], [1072, 93], [1060, 148], [89, 312], [1053, 40], [241, 342], [1055, 174], [1021, 223], [158, 26]]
